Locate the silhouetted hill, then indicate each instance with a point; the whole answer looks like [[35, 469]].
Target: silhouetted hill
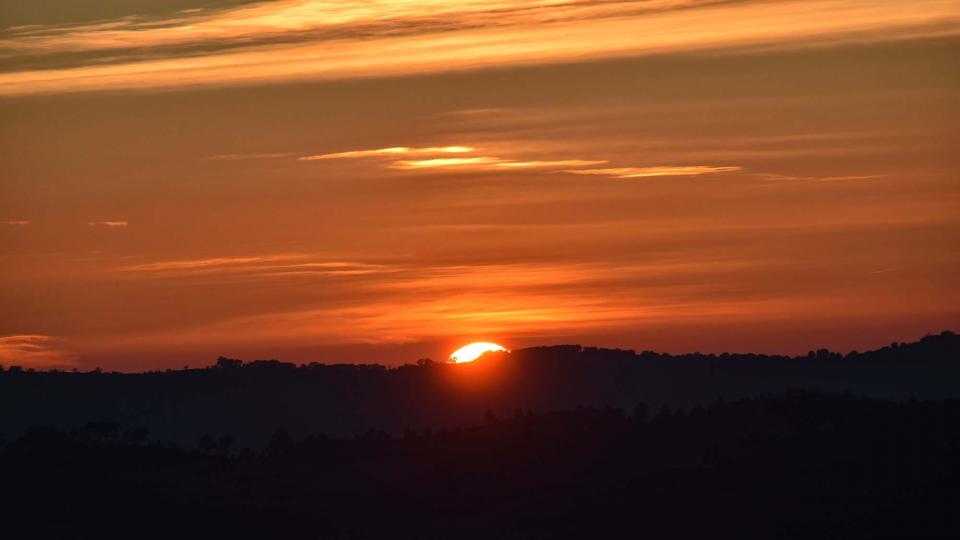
[[248, 401], [795, 465]]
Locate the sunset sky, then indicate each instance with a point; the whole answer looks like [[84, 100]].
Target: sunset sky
[[385, 180]]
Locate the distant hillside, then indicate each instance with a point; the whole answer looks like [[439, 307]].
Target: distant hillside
[[249, 401], [795, 465]]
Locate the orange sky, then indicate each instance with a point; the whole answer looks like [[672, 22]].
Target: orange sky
[[387, 180]]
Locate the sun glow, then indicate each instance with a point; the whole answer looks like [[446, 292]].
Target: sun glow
[[471, 352]]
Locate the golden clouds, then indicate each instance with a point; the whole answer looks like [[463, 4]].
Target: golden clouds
[[388, 152], [646, 172], [402, 302], [489, 163], [469, 162], [547, 164], [439, 163], [297, 40], [317, 20], [212, 263], [254, 267], [495, 163], [109, 224], [526, 203]]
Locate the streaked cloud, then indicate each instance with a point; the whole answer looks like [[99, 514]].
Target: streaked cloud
[[317, 20], [16, 223], [34, 350], [547, 164], [494, 163], [645, 172], [214, 262], [845, 178], [257, 267], [507, 300], [390, 152], [401, 300], [437, 163], [111, 224], [326, 268], [468, 162], [489, 163], [291, 40]]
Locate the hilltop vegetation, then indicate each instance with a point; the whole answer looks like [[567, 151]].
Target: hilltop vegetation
[[249, 401]]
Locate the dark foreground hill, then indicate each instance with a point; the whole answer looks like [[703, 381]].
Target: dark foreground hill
[[249, 401], [795, 465]]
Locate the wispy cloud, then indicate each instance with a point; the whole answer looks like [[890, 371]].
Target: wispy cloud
[[318, 20], [312, 39], [844, 178], [34, 350], [16, 223], [214, 262], [437, 163], [489, 163], [263, 266], [326, 268], [645, 172], [111, 224], [548, 164], [508, 300], [390, 152], [465, 160]]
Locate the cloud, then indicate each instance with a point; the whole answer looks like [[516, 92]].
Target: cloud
[[414, 164], [845, 178], [16, 223], [645, 172], [214, 262], [507, 300], [489, 163], [316, 20], [494, 163], [264, 266], [33, 350], [471, 162], [549, 164], [291, 40], [111, 224], [390, 152], [327, 268]]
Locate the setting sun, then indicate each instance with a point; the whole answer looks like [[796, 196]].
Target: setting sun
[[471, 352]]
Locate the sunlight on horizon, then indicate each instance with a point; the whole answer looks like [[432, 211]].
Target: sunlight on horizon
[[469, 353]]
